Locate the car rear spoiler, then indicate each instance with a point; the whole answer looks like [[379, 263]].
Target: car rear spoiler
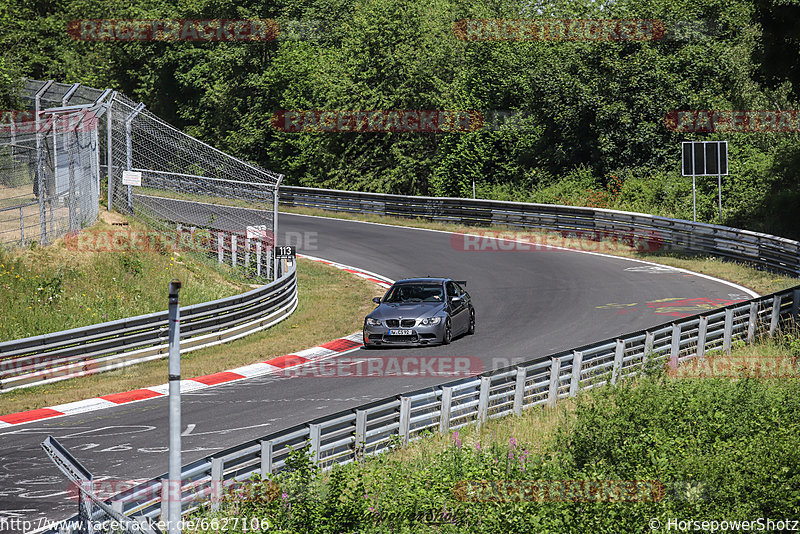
[[460, 282]]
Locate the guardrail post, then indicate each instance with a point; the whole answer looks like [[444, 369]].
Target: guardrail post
[[649, 339], [447, 403], [675, 346], [619, 353], [519, 390], [796, 305], [483, 400], [727, 335], [752, 322], [361, 435], [702, 331], [217, 467], [266, 458], [234, 243], [220, 247], [165, 492], [405, 419], [575, 376], [555, 379], [314, 434], [776, 315]]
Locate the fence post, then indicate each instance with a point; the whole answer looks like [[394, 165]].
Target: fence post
[[129, 149], [776, 315], [483, 400], [519, 390], [258, 258], [266, 458], [314, 433], [649, 338], [752, 322], [405, 419], [21, 227], [702, 334], [727, 335], [447, 403], [72, 197], [619, 353], [217, 467], [575, 377], [555, 379], [220, 247], [795, 305], [246, 252], [361, 435], [675, 346], [234, 244]]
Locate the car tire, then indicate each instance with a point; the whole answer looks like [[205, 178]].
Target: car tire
[[471, 329], [447, 337]]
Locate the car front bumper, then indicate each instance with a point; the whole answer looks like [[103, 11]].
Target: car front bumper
[[421, 335]]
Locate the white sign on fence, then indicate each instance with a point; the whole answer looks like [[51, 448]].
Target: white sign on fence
[[131, 178]]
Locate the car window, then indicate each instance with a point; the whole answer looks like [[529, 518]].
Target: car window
[[415, 293], [452, 290]]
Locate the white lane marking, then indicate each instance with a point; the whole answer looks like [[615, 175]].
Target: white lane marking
[[188, 430], [750, 292]]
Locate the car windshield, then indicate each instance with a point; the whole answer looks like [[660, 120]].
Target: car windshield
[[415, 293]]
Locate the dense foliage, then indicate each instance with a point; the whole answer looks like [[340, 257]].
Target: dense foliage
[[593, 131], [722, 449]]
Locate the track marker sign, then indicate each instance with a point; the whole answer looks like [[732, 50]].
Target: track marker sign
[[704, 158]]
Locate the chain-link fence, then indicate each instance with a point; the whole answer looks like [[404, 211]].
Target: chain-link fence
[[159, 175], [49, 172]]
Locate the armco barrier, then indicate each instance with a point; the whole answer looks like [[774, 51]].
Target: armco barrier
[[765, 251], [102, 347], [350, 435]]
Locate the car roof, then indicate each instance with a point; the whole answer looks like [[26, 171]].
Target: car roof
[[423, 280]]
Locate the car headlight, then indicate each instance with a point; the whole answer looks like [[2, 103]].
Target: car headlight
[[373, 322], [430, 321]]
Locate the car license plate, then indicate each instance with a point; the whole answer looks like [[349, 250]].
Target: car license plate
[[401, 332]]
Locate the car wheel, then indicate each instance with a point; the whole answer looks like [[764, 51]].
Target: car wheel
[[471, 329], [448, 332]]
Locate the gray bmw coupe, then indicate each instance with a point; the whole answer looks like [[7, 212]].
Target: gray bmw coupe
[[420, 311]]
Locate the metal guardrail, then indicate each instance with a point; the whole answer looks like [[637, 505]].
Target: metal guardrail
[[351, 435], [92, 349], [763, 250]]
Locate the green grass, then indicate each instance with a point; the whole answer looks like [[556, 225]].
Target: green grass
[[48, 289]]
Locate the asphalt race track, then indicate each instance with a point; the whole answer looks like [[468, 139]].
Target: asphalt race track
[[529, 304]]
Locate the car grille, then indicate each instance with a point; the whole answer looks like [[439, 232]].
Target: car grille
[[405, 323], [400, 339]]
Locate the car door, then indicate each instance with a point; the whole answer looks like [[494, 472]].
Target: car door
[[458, 311]]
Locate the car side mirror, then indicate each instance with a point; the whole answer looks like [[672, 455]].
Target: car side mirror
[[376, 300], [455, 300]]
